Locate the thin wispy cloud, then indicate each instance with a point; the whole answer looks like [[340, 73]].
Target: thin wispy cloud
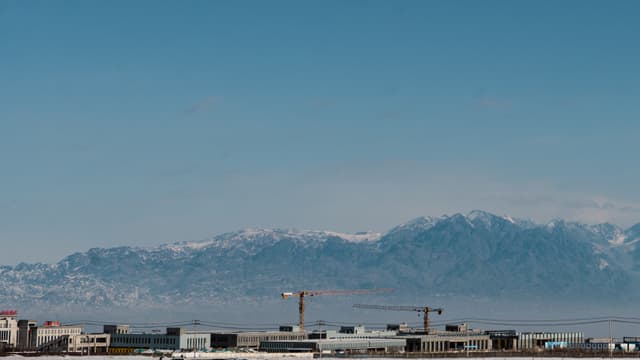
[[204, 104], [493, 102]]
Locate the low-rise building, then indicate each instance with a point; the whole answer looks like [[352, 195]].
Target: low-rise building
[[25, 331], [173, 339], [339, 345], [48, 332], [539, 340], [79, 344], [8, 329], [253, 339], [456, 337], [350, 339], [503, 339], [352, 332]]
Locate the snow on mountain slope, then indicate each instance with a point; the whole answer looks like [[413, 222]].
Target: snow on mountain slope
[[249, 239], [458, 254]]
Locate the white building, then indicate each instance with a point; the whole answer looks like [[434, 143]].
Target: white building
[[89, 344], [49, 332], [8, 329], [539, 340]]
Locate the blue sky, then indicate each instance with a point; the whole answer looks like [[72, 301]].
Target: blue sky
[[142, 123]]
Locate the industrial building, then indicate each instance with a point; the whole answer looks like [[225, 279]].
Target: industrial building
[[253, 339], [174, 339]]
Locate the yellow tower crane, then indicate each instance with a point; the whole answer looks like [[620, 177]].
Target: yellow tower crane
[[425, 310], [306, 293]]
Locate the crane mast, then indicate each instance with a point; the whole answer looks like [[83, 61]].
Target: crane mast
[[306, 293], [425, 310]]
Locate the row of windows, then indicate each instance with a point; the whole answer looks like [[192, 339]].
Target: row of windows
[[144, 340], [258, 339], [68, 331]]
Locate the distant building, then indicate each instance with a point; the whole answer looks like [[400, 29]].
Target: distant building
[[439, 343], [8, 329], [503, 339], [456, 337], [49, 332], [174, 339], [346, 345], [539, 340], [253, 339], [79, 344], [352, 332], [25, 332], [349, 339], [116, 329]]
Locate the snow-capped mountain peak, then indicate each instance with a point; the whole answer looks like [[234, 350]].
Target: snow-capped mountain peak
[[465, 254], [257, 237]]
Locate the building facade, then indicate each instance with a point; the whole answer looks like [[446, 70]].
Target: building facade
[[346, 345], [49, 332], [173, 339], [252, 339], [25, 331], [539, 340], [8, 329], [440, 343], [88, 344]]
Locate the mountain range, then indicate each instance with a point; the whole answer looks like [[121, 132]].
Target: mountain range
[[474, 254]]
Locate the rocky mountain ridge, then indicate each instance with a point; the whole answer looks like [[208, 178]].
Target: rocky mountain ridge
[[478, 253]]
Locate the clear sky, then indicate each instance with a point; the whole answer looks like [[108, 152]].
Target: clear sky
[[141, 123]]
